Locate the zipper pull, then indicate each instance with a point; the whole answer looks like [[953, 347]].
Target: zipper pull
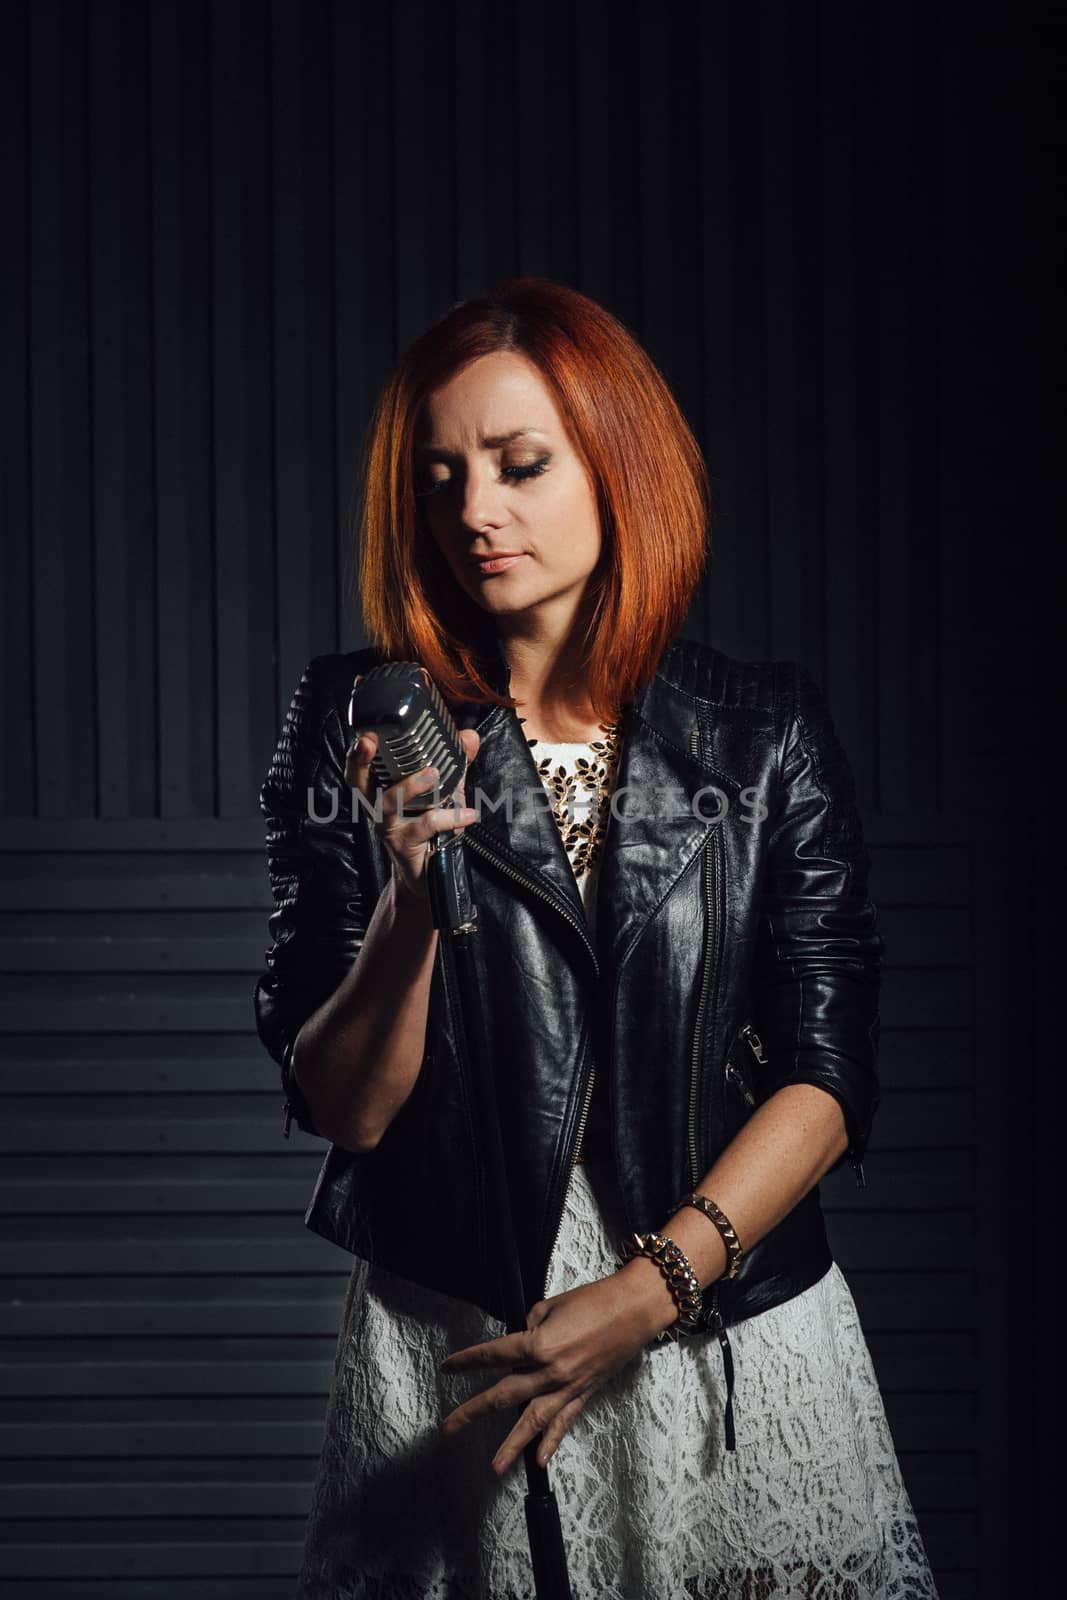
[[735, 1077], [288, 1118], [754, 1043], [857, 1172], [718, 1327]]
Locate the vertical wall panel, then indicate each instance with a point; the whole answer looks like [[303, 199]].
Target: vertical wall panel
[[408, 151], [655, 219], [563, 142], [305, 535], [849, 604], [503, 36], [124, 490], [685, 90], [475, 202], [744, 209], [60, 459], [784, 311], [897, 484], [595, 153], [363, 270], [244, 441], [180, 132], [17, 760], [719, 613], [534, 62]]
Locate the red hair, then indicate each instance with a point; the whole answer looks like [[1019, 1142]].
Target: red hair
[[651, 484]]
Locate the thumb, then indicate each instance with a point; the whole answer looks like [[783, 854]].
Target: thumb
[[537, 1313]]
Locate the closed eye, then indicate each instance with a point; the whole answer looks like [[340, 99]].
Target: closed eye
[[533, 471], [514, 474]]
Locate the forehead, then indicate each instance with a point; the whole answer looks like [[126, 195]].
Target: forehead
[[494, 396]]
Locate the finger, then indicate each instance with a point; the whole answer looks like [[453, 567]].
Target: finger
[[513, 1391], [544, 1415], [470, 741], [558, 1427], [360, 754], [537, 1313], [505, 1350], [396, 798], [357, 680], [419, 828]]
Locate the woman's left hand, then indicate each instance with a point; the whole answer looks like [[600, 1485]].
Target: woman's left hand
[[572, 1344]]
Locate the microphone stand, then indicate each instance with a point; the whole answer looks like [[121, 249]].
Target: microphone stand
[[455, 915]]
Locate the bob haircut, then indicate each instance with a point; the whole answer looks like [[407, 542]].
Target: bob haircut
[[649, 477]]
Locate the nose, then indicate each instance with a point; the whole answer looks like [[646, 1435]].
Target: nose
[[481, 499]]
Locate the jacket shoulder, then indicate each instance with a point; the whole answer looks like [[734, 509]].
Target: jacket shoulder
[[707, 673], [336, 670], [313, 731], [326, 682]]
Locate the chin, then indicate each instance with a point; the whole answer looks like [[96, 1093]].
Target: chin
[[500, 597]]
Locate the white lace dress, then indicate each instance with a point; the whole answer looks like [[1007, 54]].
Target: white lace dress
[[810, 1504]]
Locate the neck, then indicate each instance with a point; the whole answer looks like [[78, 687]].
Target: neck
[[546, 671]]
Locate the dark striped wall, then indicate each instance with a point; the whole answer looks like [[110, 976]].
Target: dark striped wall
[[221, 223]]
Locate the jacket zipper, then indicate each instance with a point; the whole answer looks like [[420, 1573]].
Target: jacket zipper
[[694, 1076], [734, 1073], [573, 920], [715, 1321], [454, 1004], [535, 888], [570, 1172]]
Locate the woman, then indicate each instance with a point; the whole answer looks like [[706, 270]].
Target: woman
[[679, 965]]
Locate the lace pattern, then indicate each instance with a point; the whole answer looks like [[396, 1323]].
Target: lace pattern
[[810, 1506]]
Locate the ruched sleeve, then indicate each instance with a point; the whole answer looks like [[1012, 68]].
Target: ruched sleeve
[[817, 964], [319, 877]]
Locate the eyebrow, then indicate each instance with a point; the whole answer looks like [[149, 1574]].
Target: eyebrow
[[493, 441]]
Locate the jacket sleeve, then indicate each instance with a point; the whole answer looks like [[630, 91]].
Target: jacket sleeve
[[817, 964], [320, 895]]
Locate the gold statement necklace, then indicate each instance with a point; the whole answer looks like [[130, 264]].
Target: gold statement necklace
[[582, 839]]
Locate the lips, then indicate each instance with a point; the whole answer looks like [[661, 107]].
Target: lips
[[500, 562]]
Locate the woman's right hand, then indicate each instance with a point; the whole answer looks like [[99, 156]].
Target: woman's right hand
[[407, 838]]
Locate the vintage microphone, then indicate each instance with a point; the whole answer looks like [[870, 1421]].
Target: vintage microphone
[[400, 703]]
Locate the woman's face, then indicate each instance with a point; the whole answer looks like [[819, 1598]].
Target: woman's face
[[496, 475]]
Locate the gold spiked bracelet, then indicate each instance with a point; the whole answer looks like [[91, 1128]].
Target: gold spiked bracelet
[[734, 1252], [682, 1281]]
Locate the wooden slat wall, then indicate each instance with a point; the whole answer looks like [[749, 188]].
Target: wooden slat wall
[[222, 221]]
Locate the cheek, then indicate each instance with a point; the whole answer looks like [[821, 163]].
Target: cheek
[[582, 526]]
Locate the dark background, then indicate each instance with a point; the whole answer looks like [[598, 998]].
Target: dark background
[[221, 223]]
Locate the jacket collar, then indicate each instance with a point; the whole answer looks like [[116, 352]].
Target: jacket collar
[[654, 831]]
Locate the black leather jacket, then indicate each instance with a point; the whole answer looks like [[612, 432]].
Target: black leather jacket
[[716, 928]]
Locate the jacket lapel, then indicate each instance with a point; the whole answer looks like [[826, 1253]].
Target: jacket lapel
[[645, 853], [516, 824], [659, 823]]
